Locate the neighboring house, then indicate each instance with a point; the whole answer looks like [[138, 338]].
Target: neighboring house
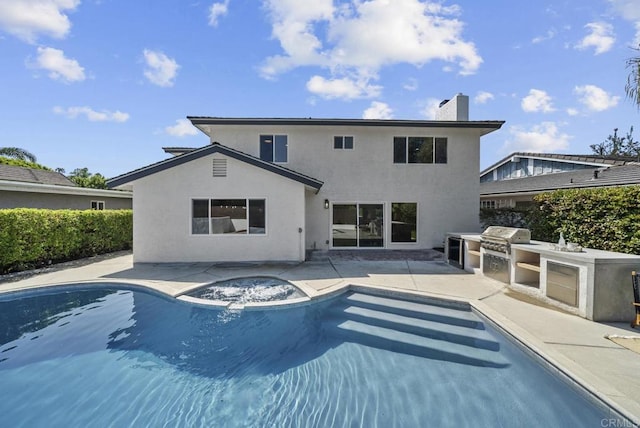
[[270, 189], [36, 188], [501, 184], [519, 192]]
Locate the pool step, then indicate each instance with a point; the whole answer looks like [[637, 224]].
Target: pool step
[[421, 327], [423, 311], [414, 328], [408, 343]]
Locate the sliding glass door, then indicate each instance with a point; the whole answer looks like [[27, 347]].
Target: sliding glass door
[[358, 225]]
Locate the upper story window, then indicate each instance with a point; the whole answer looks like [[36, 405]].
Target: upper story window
[[419, 150], [274, 148], [343, 142]]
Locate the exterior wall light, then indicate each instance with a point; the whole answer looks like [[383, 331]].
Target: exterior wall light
[[326, 204]]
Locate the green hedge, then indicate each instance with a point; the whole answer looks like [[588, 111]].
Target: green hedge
[[604, 218], [36, 237]]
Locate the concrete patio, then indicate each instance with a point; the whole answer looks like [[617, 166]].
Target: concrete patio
[[576, 346]]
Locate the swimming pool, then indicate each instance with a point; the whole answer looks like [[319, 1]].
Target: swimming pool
[[112, 356]]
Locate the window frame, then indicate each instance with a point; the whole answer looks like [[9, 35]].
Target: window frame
[[99, 205], [391, 220], [343, 142], [248, 201], [274, 149], [402, 152]]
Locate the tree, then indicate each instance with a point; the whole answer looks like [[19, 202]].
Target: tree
[[17, 153], [616, 145], [632, 88], [83, 178]]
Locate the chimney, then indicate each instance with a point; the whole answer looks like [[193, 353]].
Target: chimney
[[595, 174], [455, 109]]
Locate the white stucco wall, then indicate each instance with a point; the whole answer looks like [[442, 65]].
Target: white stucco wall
[[447, 194], [162, 214]]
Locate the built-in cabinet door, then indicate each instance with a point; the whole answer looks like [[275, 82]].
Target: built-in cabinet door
[[357, 225]]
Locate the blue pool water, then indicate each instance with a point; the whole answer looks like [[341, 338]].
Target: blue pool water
[[109, 356]]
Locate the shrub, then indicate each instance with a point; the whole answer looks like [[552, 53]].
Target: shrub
[[603, 218], [36, 237]]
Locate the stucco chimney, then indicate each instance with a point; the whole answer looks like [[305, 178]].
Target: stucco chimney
[[456, 108]]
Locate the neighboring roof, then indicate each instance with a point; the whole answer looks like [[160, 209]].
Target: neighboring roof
[[208, 150], [582, 159], [622, 175], [489, 125], [32, 175]]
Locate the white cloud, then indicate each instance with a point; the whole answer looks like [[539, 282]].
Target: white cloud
[[542, 138], [411, 84], [216, 11], [344, 88], [601, 37], [537, 101], [161, 70], [572, 111], [28, 19], [358, 38], [378, 110], [550, 35], [629, 10], [182, 128], [430, 108], [59, 67], [482, 97], [91, 114], [595, 98]]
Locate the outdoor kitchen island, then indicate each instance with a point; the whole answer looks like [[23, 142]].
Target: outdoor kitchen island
[[593, 284], [596, 283]]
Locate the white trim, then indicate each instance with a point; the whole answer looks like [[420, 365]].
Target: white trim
[[20, 186]]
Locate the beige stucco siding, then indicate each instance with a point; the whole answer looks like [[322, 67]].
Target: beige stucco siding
[[447, 194], [162, 214]]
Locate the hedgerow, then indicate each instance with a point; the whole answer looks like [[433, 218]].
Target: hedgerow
[[601, 218], [37, 237]]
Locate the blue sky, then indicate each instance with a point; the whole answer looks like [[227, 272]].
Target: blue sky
[[105, 84]]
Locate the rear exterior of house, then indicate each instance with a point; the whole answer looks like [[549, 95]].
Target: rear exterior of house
[[270, 189]]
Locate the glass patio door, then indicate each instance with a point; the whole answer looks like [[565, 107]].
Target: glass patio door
[[358, 225]]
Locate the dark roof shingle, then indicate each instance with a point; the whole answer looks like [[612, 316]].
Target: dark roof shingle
[[31, 175], [622, 175]]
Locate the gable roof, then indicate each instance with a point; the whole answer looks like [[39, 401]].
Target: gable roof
[[32, 175], [622, 175], [209, 150], [581, 159]]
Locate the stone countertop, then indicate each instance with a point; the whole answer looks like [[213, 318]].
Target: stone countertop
[[588, 255], [469, 236]]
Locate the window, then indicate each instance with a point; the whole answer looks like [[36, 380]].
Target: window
[[419, 150], [488, 204], [404, 220], [97, 205], [223, 216], [343, 143], [274, 148]]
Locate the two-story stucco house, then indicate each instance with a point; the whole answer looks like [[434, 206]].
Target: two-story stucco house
[[270, 189]]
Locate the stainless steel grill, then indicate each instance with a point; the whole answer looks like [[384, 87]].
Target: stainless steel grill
[[499, 238], [495, 244]]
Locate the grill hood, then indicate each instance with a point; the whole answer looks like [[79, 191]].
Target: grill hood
[[511, 235]]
